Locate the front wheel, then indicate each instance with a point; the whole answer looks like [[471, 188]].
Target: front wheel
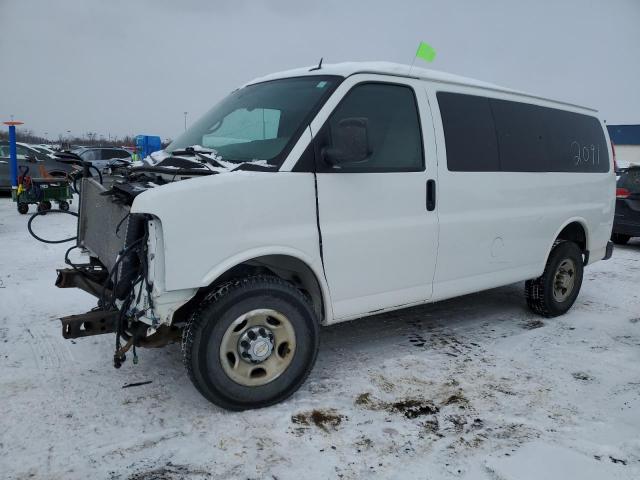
[[252, 343], [554, 292]]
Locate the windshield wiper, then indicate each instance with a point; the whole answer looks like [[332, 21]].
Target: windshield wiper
[[190, 151]]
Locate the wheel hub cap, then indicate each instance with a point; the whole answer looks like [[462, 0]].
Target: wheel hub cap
[[257, 347], [564, 280], [256, 344]]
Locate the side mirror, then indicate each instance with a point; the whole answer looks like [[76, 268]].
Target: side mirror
[[350, 142], [31, 158]]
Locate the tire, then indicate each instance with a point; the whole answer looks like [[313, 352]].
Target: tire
[[63, 205], [23, 208], [619, 238], [549, 295], [216, 327]]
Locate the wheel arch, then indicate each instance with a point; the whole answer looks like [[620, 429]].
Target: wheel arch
[[294, 267], [574, 229]]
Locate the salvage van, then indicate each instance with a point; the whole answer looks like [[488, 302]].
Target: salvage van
[[326, 194]]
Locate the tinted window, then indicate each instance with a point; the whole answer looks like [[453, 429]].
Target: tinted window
[[540, 139], [109, 153], [530, 138], [469, 133], [393, 126]]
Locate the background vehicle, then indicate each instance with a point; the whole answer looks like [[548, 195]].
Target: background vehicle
[[40, 164], [44, 149], [626, 223], [355, 189], [103, 157]]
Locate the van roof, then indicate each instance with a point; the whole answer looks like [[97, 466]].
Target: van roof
[[346, 69]]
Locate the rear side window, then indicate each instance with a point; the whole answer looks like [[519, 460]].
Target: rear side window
[[393, 125], [114, 153], [529, 138], [469, 133], [540, 139], [90, 155]]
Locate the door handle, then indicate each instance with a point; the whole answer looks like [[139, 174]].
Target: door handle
[[431, 195]]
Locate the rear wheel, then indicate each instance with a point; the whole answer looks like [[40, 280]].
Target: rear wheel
[[554, 292], [251, 344], [63, 205], [23, 208], [619, 238]]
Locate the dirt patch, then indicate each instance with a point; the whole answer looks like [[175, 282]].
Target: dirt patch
[[414, 407], [170, 472], [431, 425], [457, 399], [582, 376], [533, 324], [617, 460], [323, 419], [364, 400], [409, 407]]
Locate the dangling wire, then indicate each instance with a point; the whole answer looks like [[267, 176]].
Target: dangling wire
[[46, 212]]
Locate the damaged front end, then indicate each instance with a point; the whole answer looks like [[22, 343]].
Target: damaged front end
[[123, 271]]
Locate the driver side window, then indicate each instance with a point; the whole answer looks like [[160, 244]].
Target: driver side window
[[390, 114]]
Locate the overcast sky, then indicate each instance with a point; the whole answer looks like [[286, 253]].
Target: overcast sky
[[130, 67]]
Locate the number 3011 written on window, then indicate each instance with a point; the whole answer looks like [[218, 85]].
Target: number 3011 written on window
[[585, 153]]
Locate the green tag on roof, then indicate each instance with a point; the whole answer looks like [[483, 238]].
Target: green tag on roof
[[426, 52]]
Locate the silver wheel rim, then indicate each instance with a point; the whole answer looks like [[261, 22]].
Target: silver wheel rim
[[257, 347], [564, 280]]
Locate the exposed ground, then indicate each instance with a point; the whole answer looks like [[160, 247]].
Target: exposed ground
[[472, 388]]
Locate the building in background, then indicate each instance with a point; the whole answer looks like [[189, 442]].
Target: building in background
[[626, 139]]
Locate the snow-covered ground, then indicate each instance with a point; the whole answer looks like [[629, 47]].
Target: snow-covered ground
[[471, 388]]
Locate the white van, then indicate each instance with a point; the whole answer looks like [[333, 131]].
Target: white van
[[319, 195]]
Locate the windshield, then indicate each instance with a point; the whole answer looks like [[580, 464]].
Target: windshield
[[261, 121]]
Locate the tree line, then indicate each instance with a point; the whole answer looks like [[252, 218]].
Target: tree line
[[90, 139]]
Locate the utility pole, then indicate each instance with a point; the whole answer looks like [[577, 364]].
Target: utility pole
[[185, 120], [13, 157]]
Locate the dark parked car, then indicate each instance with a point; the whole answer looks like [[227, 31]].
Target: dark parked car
[[627, 220], [103, 157], [40, 165]]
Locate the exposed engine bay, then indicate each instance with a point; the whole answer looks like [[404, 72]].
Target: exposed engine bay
[[121, 244]]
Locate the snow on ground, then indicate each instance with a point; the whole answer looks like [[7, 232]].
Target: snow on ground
[[472, 388]]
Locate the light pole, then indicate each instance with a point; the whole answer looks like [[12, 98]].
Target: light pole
[[185, 120], [13, 157]]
